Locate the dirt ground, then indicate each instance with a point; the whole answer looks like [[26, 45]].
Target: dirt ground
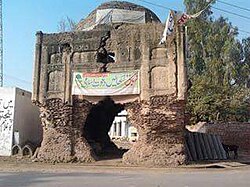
[[17, 163]]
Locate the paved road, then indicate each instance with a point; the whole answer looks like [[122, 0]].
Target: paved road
[[87, 177]]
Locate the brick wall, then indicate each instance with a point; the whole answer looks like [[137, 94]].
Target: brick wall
[[232, 133]]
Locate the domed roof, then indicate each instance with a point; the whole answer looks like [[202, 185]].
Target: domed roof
[[117, 12]]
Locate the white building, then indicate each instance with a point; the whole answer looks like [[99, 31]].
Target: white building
[[19, 120], [122, 129]]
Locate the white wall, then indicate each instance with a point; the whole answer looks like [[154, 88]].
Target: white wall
[[121, 128], [7, 102], [26, 119], [18, 114]]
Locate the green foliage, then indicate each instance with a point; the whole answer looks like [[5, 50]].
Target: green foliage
[[219, 68], [210, 102]]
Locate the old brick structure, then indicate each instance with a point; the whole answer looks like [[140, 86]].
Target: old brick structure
[[70, 122], [231, 133]]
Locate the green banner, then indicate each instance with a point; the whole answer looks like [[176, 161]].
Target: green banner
[[103, 84]]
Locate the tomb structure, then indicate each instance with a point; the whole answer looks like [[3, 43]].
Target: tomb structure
[[79, 97]]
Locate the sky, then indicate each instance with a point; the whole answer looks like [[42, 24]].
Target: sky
[[23, 18]]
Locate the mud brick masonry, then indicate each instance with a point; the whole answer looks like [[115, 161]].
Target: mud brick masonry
[[157, 112], [231, 133]]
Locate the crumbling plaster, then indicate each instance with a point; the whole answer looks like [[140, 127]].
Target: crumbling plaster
[[157, 112]]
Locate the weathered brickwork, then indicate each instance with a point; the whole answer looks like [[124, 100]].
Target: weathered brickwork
[[231, 133], [160, 123], [157, 112], [62, 140]]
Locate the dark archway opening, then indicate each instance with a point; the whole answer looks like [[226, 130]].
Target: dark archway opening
[[97, 126]]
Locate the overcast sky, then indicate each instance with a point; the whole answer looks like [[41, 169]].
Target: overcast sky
[[22, 18]]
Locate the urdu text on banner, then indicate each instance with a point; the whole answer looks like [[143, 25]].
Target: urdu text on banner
[[104, 84]]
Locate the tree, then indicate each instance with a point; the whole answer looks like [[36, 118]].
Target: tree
[[218, 66], [66, 25], [245, 64]]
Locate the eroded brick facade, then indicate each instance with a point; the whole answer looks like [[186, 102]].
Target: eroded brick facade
[[231, 133], [157, 112]]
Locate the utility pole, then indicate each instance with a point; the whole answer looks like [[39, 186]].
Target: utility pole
[[1, 44]]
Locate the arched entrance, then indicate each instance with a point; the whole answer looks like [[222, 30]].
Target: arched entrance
[[97, 126]]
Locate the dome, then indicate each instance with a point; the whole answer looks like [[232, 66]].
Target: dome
[[117, 12]]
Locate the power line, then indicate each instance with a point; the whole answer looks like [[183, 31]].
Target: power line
[[17, 79], [233, 5], [161, 6], [244, 31], [229, 12]]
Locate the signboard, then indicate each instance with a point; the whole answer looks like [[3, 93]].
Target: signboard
[[104, 84], [6, 121]]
